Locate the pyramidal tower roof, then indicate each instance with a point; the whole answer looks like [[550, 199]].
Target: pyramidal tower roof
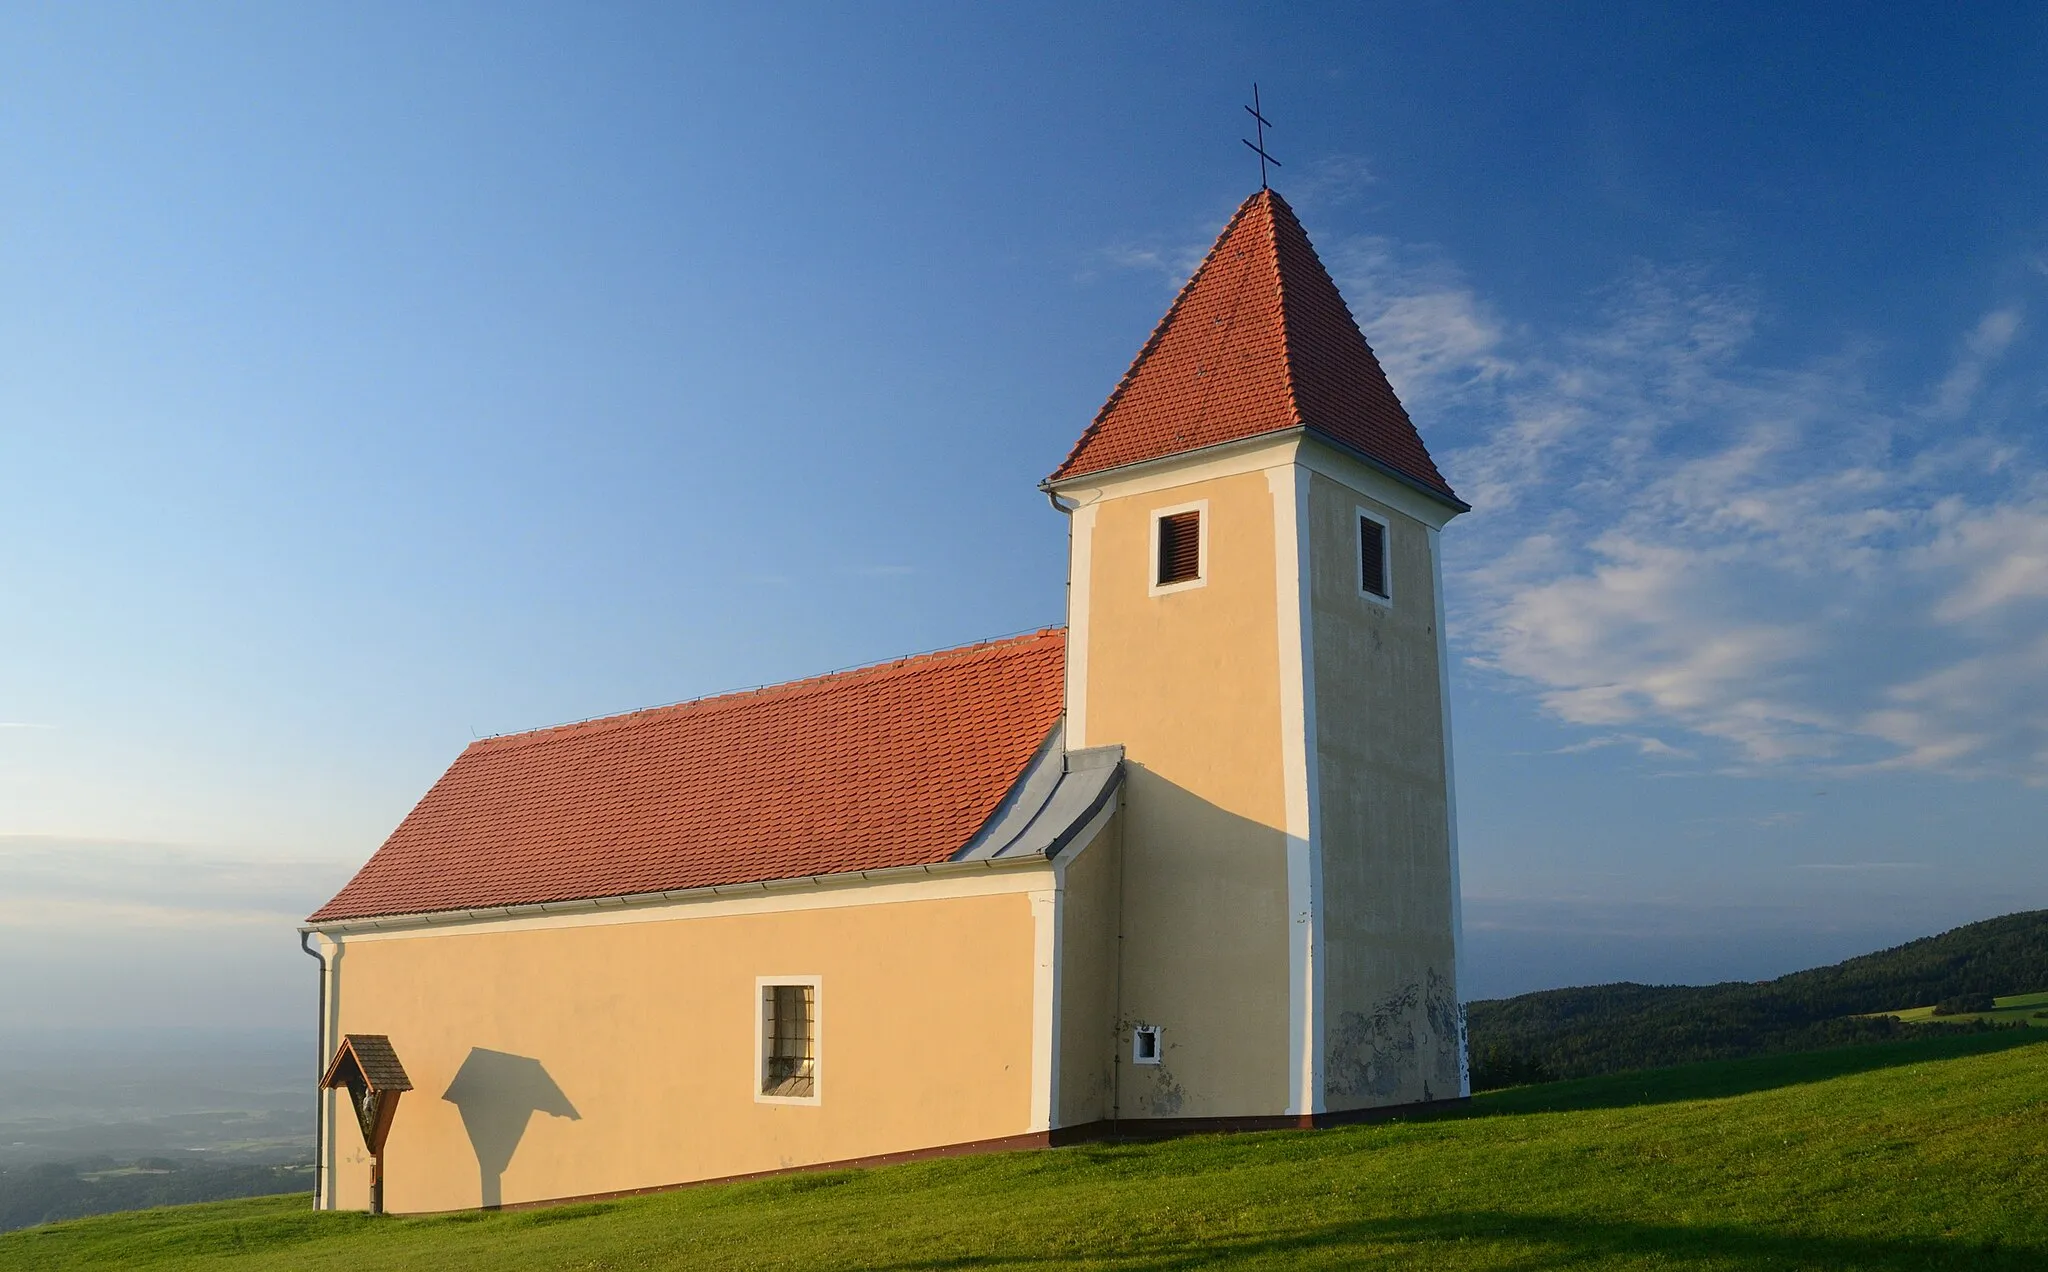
[[1258, 341]]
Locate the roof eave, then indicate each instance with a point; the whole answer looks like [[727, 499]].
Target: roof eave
[[1055, 483], [639, 900]]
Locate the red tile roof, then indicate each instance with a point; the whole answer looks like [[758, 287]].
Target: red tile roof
[[1258, 341], [897, 764]]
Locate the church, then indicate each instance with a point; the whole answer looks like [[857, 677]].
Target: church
[[1187, 862]]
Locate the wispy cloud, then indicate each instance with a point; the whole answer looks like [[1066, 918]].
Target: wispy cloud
[[1862, 865], [880, 571], [1675, 536], [1171, 263], [1641, 744], [1330, 180], [23, 724], [48, 882], [1981, 349]]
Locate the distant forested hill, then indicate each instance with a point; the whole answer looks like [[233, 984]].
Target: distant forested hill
[[1571, 1033]]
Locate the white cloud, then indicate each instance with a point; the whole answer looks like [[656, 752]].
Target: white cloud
[[1984, 346], [1330, 181], [48, 882], [1647, 746], [1172, 264], [1672, 536], [1862, 865]]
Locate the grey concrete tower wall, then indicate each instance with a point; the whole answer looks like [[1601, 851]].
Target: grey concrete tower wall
[[1391, 1026]]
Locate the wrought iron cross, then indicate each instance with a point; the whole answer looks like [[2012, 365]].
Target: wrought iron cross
[[1259, 148]]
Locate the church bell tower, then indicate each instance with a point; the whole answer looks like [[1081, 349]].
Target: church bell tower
[[1256, 616]]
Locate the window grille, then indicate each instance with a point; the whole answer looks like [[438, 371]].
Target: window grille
[[1372, 556], [789, 1038], [1180, 547]]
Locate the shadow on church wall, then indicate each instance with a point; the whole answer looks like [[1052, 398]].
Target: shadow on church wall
[[497, 1094]]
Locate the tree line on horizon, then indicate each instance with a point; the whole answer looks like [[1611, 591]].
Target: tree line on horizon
[[1576, 1033]]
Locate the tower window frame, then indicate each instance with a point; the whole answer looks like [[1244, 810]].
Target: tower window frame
[[1156, 573], [1361, 572], [788, 1062]]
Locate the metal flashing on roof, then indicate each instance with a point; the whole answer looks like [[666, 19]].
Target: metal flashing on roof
[[1059, 794]]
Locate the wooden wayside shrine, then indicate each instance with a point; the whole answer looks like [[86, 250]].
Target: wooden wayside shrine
[[367, 1067]]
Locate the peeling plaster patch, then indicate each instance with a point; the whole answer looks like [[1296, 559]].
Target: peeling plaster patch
[[1381, 1055], [1167, 1096]]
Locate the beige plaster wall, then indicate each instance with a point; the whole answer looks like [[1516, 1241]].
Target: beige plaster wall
[[1188, 682], [1088, 954], [589, 1059], [1390, 985]]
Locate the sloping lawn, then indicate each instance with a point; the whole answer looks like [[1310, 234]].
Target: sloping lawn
[[1926, 1154], [2013, 1009]]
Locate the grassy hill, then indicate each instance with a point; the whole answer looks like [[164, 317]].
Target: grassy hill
[[1922, 1154], [1567, 1033], [2012, 1009]]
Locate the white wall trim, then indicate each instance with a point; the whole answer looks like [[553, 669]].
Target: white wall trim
[[939, 882], [1251, 456], [1443, 674], [1375, 485], [1386, 526], [1080, 579], [1048, 914], [817, 1095], [1290, 487], [1200, 507]]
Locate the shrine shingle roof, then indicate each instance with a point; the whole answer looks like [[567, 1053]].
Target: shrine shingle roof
[[373, 1058], [1258, 341], [897, 764]]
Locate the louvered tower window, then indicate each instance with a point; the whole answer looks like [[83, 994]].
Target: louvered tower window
[[1180, 547], [1372, 556]]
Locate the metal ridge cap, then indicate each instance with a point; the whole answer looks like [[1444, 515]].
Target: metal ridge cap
[[672, 896]]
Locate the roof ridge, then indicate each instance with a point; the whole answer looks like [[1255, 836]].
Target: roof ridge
[[1158, 333], [1286, 319], [904, 663]]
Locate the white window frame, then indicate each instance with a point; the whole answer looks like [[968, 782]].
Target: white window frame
[[1158, 1044], [1153, 586], [760, 1050], [1386, 526]]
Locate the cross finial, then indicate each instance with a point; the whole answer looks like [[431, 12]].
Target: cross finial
[[1259, 148]]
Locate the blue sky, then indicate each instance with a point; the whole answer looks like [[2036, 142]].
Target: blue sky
[[376, 378]]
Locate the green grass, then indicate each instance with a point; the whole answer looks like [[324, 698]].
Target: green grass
[[1921, 1154], [2013, 1009]]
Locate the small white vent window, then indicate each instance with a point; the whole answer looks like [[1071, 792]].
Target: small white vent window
[[1145, 1045]]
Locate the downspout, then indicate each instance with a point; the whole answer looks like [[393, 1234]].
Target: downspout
[[1052, 497], [320, 1062], [1116, 1048]]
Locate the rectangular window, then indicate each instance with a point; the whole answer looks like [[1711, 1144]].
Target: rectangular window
[[1372, 556], [789, 1041], [1145, 1045], [1180, 548]]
